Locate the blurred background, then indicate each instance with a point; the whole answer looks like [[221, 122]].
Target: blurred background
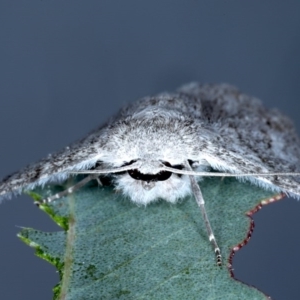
[[66, 66]]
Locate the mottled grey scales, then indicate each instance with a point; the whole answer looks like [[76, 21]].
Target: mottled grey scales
[[209, 125]]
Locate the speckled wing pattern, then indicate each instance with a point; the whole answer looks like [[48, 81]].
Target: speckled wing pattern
[[54, 167], [250, 137], [243, 136]]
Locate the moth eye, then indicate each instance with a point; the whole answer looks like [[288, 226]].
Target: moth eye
[[135, 174], [178, 167], [163, 175]]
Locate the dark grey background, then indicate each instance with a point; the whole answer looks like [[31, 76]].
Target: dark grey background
[[68, 65]]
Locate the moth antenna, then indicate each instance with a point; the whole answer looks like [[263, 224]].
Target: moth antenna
[[135, 165], [200, 201], [213, 174]]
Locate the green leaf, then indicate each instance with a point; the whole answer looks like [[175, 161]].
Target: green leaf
[[113, 249]]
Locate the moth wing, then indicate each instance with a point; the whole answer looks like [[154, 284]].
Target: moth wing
[[232, 162], [81, 155], [248, 138]]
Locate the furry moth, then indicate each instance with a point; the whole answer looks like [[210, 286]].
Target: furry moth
[[159, 147]]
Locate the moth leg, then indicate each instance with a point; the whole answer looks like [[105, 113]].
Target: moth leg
[[200, 201], [71, 189], [99, 181]]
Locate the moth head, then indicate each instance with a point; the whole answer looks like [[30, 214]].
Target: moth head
[[144, 181], [143, 187]]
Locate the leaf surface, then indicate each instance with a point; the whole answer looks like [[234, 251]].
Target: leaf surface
[[114, 249]]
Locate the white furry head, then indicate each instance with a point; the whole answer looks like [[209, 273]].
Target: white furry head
[[171, 190]]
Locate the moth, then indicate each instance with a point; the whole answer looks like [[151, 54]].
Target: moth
[[159, 148]]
